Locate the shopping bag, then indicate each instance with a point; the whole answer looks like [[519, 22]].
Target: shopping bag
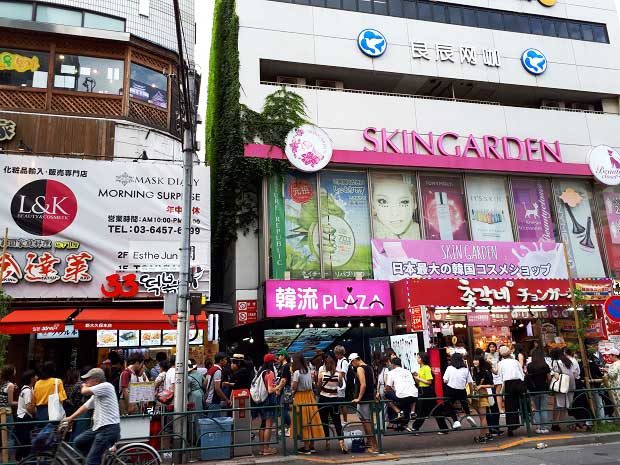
[[55, 410]]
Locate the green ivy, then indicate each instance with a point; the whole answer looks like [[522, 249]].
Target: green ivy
[[5, 305], [235, 180]]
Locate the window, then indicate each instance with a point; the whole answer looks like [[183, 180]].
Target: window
[[48, 14], [334, 4], [88, 74], [424, 11], [574, 31], [536, 26], [103, 22], [365, 6], [23, 68], [600, 34], [350, 5], [16, 10], [410, 10], [381, 7], [455, 15], [549, 27], [439, 14], [148, 85], [483, 19], [496, 21], [562, 29], [469, 17]]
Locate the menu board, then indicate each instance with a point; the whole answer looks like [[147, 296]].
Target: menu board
[[128, 338], [312, 340], [277, 339], [107, 338], [169, 337], [149, 338], [141, 392]]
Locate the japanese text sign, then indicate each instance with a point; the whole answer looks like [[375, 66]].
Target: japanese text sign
[[394, 260], [328, 298], [414, 318], [247, 312]]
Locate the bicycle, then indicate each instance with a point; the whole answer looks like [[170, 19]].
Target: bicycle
[[59, 452]]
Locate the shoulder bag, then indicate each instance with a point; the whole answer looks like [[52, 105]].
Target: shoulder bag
[[560, 382], [55, 410]]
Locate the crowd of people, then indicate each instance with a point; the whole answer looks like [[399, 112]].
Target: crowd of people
[[329, 391]]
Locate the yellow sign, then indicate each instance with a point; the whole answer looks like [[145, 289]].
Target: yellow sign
[[547, 2], [19, 63]]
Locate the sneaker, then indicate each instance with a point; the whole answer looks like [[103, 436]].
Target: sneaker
[[481, 440], [399, 417], [489, 437], [312, 450], [287, 432], [544, 431], [167, 455], [471, 421], [442, 433], [303, 451], [539, 431], [414, 432], [498, 434], [456, 425]]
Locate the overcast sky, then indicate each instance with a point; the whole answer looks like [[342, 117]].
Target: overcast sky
[[204, 21]]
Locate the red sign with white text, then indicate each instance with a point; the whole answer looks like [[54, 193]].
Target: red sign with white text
[[414, 319], [247, 312]]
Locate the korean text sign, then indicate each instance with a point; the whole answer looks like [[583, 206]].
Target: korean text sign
[[92, 229], [328, 298], [394, 260]]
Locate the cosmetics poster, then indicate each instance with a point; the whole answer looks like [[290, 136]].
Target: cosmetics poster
[[573, 201], [277, 232], [301, 225], [443, 202], [609, 198], [532, 211], [345, 225], [407, 349], [394, 206], [489, 214], [612, 212]]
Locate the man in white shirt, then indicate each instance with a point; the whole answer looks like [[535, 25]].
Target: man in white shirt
[[400, 388], [513, 387], [106, 429], [342, 366]]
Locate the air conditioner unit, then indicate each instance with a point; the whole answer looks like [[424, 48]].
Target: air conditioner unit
[[291, 80], [582, 106], [329, 83], [553, 104]]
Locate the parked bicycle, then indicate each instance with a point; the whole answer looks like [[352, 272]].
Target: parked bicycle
[[55, 451]]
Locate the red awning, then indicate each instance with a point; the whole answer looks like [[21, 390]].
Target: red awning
[[35, 321], [128, 318]]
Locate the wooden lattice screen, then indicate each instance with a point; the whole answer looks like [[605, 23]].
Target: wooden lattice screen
[[148, 115], [20, 98], [87, 104]]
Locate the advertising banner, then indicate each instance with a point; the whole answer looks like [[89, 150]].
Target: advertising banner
[[533, 214], [443, 202], [414, 318], [489, 214], [407, 349], [395, 206], [328, 298], [573, 200], [277, 228], [345, 221], [612, 210], [93, 229], [396, 260]]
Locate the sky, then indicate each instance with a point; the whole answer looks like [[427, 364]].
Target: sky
[[204, 22]]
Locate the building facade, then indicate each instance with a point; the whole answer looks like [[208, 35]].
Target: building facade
[[453, 124]]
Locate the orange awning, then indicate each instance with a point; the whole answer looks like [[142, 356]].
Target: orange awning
[[35, 321], [128, 318]]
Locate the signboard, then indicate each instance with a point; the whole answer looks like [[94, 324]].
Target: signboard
[[604, 162], [414, 317], [308, 148], [372, 43], [612, 309], [483, 292], [394, 260], [328, 298], [68, 333], [93, 229], [247, 312], [7, 129], [595, 330], [488, 320], [407, 349]]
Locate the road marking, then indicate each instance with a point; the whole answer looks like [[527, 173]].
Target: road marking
[[518, 442]]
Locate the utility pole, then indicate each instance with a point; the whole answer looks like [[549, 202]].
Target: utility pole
[[189, 146]]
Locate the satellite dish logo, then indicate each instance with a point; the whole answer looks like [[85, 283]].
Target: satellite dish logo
[[534, 61], [372, 43]]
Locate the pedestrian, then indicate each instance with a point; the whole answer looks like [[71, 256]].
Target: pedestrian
[[160, 381], [456, 379], [215, 398], [195, 396], [482, 394], [266, 410], [383, 368], [426, 396], [597, 368], [75, 400], [241, 375], [329, 381], [134, 373], [307, 427], [400, 388], [561, 364], [613, 374], [366, 384], [26, 411], [116, 368], [284, 391], [156, 370], [342, 366], [513, 387], [492, 357], [106, 429], [45, 387], [537, 380], [518, 352], [169, 381]]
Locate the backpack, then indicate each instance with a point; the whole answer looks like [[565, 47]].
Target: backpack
[[258, 389], [351, 388]]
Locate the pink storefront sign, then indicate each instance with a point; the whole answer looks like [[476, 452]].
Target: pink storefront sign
[[394, 260], [328, 298]]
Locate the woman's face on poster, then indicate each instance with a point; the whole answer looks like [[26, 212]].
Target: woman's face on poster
[[394, 204]]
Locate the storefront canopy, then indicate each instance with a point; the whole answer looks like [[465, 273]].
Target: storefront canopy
[[35, 321], [129, 318]]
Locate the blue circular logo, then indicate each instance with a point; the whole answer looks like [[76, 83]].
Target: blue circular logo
[[372, 43], [534, 61]]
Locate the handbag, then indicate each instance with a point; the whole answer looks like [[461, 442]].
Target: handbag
[[490, 399], [55, 410], [559, 383], [165, 396], [287, 395]]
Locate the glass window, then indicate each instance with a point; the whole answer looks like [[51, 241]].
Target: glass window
[[23, 68], [148, 85], [334, 4], [600, 34], [350, 5], [523, 24], [532, 207], [455, 15], [48, 14], [510, 22], [443, 206], [469, 17], [16, 10], [380, 7], [410, 10], [574, 31], [439, 13], [424, 11], [496, 20], [103, 22], [88, 74], [489, 213], [536, 25], [302, 2], [483, 19], [588, 32], [396, 8], [395, 212], [365, 6], [317, 3], [562, 29], [549, 27]]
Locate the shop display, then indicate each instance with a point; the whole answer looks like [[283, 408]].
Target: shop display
[[532, 210], [573, 199], [407, 348], [107, 338], [150, 338], [128, 338], [379, 344], [443, 202], [277, 339], [489, 213], [169, 337], [395, 206], [312, 340]]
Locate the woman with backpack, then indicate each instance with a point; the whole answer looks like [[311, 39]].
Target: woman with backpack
[[307, 427], [264, 384]]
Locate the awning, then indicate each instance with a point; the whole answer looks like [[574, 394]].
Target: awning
[[128, 318], [35, 321]]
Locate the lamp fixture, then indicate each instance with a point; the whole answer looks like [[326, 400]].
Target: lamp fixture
[[372, 324], [361, 324], [311, 325], [336, 324], [349, 325], [297, 326], [324, 325], [142, 156]]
